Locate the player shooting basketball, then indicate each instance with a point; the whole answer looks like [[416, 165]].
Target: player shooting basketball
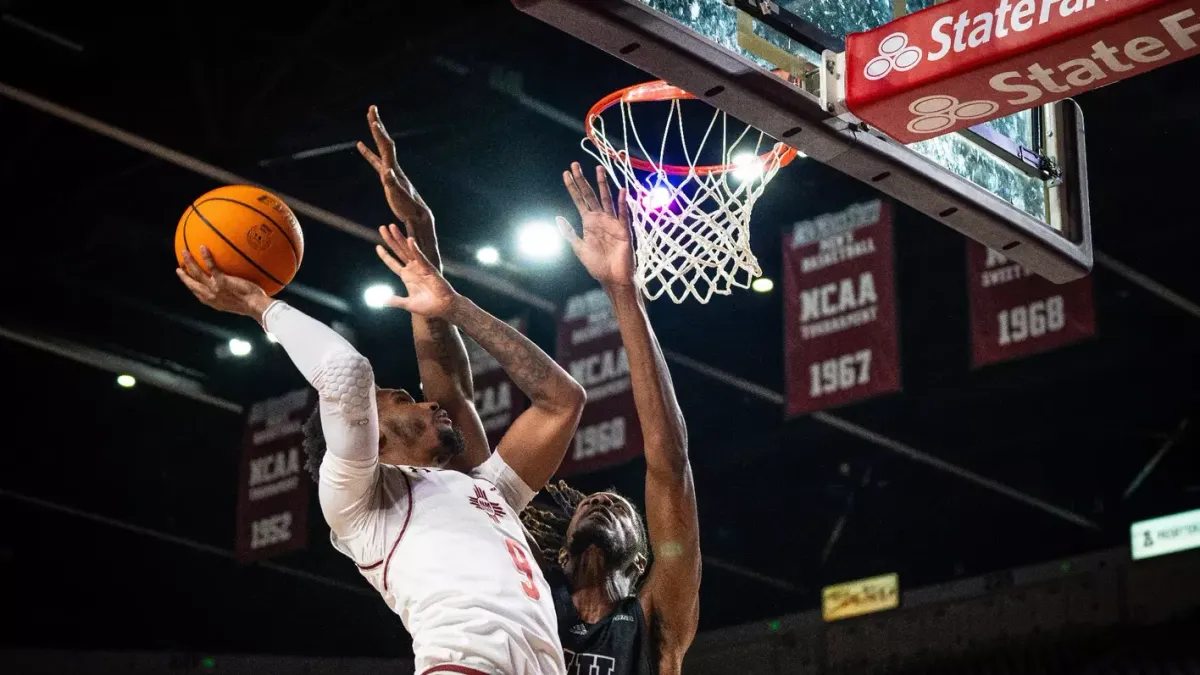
[[614, 618], [444, 548]]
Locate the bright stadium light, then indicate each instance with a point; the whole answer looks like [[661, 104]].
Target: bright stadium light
[[488, 255], [658, 197], [126, 381], [747, 166], [239, 347], [539, 240], [762, 285], [377, 296]]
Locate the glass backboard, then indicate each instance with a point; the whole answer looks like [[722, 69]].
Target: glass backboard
[[1016, 184]]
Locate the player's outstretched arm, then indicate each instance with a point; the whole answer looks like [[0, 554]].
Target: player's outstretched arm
[[342, 377], [537, 440], [441, 355], [671, 593]]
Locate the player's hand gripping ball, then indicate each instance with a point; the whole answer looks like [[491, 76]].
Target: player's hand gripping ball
[[251, 233]]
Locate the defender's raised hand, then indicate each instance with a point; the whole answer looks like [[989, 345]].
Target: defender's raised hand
[[429, 294], [605, 249], [406, 204], [219, 290]]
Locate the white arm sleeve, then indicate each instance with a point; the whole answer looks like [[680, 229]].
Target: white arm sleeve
[[349, 419], [497, 472]]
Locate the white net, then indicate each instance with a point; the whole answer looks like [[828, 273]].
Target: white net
[[691, 223]]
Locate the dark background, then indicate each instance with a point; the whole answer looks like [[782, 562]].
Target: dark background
[[88, 227]]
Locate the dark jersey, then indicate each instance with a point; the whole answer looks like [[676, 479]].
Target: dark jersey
[[619, 644]]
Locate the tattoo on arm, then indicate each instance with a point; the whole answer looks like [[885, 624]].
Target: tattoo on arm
[[535, 373], [439, 343], [441, 335]]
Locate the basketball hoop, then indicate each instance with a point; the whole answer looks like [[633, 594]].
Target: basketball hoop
[[691, 221]]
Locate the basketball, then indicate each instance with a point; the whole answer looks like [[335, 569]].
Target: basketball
[[251, 233]]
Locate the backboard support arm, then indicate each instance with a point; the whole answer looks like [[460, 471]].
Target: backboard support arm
[[659, 45]]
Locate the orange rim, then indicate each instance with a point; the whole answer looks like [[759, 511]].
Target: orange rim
[[660, 90]]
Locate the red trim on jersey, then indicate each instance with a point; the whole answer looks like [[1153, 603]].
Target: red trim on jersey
[[463, 670], [372, 566], [407, 517]]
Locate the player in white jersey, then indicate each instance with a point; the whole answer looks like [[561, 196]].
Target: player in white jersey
[[444, 548]]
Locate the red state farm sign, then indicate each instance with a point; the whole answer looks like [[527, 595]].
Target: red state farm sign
[[965, 62]]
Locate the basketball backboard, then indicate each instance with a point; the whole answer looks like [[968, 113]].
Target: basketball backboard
[[1016, 184]]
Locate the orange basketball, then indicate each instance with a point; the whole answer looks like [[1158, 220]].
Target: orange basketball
[[252, 234]]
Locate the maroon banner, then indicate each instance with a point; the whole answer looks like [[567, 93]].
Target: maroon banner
[[590, 348], [1016, 313], [273, 487], [497, 400], [840, 308]]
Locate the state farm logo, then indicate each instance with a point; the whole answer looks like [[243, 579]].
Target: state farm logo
[[894, 54], [977, 62], [938, 112]]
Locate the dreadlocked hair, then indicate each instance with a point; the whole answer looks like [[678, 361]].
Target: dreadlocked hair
[[548, 527]]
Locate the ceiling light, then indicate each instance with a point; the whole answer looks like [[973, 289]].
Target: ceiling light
[[539, 240], [377, 296], [747, 166], [658, 197], [488, 255], [239, 347]]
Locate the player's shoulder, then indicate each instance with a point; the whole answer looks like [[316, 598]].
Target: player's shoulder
[[420, 478], [399, 482], [425, 473]]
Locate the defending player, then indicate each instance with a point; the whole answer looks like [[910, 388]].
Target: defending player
[[613, 617], [445, 549]]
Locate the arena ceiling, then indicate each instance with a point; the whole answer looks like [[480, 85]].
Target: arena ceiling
[[481, 100]]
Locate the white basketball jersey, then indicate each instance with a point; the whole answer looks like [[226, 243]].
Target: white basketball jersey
[[448, 554]]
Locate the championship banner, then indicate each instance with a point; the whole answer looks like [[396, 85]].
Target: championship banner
[[497, 400], [962, 63], [840, 308], [865, 596], [273, 487], [590, 348], [1015, 313]]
